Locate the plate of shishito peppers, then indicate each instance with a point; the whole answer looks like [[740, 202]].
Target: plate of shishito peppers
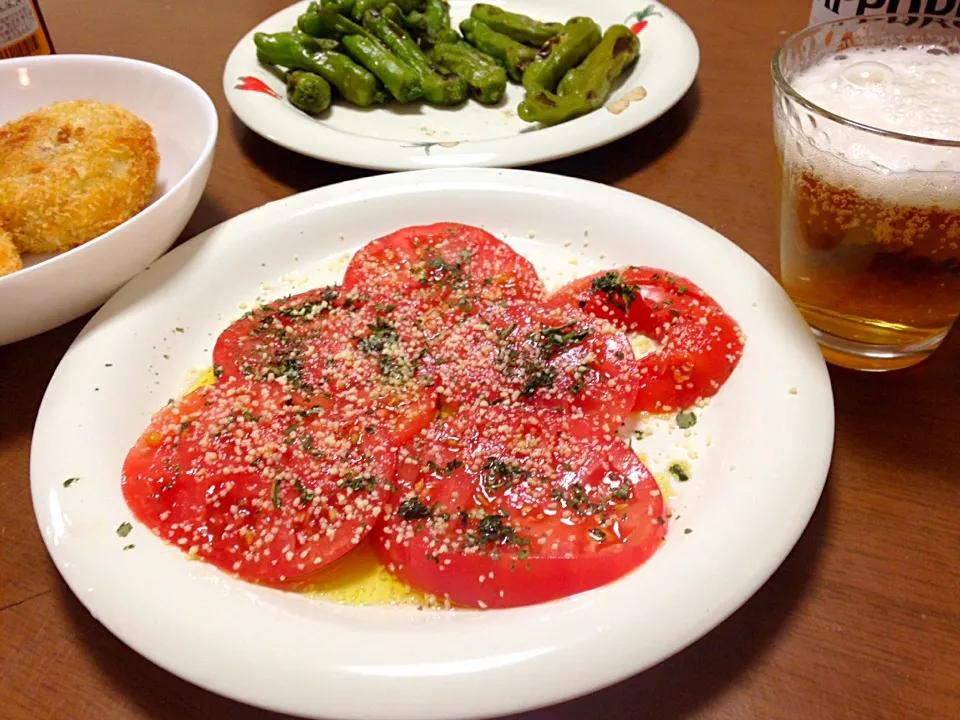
[[404, 84]]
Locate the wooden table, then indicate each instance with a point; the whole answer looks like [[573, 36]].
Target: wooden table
[[861, 621]]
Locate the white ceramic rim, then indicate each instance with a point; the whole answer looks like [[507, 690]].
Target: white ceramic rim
[[208, 147], [552, 669], [515, 151]]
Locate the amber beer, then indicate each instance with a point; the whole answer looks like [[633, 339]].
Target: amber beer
[[868, 135], [879, 272]]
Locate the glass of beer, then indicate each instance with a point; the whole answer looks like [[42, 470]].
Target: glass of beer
[[867, 126]]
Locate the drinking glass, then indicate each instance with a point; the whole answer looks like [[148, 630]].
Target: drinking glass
[[869, 218]]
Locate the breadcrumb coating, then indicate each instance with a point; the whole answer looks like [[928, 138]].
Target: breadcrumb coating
[[10, 260], [72, 171]]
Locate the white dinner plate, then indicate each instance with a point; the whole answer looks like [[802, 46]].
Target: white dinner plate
[[758, 459], [411, 137]]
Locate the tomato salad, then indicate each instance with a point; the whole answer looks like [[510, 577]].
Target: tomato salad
[[443, 406]]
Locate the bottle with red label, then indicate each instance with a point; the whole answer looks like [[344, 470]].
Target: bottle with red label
[[22, 30]]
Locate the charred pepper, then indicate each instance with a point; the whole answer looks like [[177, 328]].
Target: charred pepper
[[586, 87], [562, 53], [326, 22], [341, 6], [399, 78], [519, 27], [308, 92], [362, 45], [311, 43], [393, 13], [487, 80], [433, 24], [439, 89], [513, 55], [594, 77], [360, 7], [355, 84]]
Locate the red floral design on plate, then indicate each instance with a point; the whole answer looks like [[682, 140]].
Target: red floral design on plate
[[249, 82], [638, 20]]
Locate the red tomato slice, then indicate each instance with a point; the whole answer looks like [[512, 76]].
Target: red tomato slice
[[700, 344], [532, 354], [261, 489], [609, 296], [366, 361], [638, 299], [268, 336], [699, 352], [509, 506], [457, 265], [337, 350]]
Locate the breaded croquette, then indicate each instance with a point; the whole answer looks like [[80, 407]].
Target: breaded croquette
[[72, 171], [10, 260]]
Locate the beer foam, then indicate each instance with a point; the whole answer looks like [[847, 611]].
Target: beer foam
[[909, 91], [912, 90]]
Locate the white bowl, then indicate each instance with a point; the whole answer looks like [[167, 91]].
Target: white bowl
[[56, 289]]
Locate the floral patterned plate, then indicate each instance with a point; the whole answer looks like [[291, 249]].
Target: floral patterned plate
[[404, 137]]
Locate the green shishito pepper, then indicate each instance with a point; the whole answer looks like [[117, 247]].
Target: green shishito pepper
[[340, 6], [447, 89], [594, 77], [360, 7], [355, 85], [487, 80], [562, 53], [313, 44], [519, 27], [587, 86], [513, 55], [326, 22], [308, 92], [394, 14], [399, 78], [433, 24]]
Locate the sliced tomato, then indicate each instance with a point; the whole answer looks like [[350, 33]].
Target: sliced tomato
[[505, 507], [700, 344], [457, 265], [638, 299], [700, 350], [264, 490], [532, 354], [337, 350], [266, 339], [367, 361], [609, 296]]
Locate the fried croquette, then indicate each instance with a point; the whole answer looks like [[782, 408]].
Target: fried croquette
[[72, 171], [10, 260]]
